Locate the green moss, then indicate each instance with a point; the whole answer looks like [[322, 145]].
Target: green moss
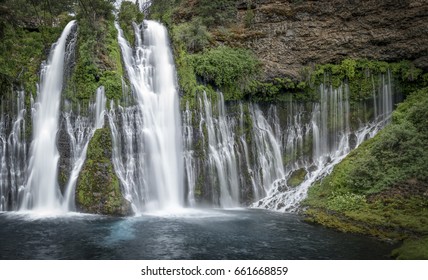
[[380, 188], [129, 13], [98, 59], [412, 249], [98, 188], [296, 178]]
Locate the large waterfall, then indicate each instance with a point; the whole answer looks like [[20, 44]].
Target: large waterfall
[[150, 132], [42, 190], [215, 153]]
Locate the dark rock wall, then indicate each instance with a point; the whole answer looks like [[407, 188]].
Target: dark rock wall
[[287, 35]]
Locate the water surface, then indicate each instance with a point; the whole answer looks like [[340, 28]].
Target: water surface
[[189, 234]]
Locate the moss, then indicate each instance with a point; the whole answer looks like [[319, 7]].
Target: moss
[[412, 249], [98, 61], [98, 188], [129, 13], [296, 178]]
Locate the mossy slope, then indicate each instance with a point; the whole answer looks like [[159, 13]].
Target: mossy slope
[[98, 189], [381, 188]]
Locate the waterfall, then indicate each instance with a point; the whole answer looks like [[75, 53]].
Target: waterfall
[[151, 130], [222, 159], [79, 135], [267, 151], [189, 157], [13, 151], [329, 126], [100, 107], [42, 191]]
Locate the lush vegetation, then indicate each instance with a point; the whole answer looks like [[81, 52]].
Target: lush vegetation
[[98, 57], [207, 59], [98, 188], [381, 187], [27, 31], [228, 69], [128, 15]]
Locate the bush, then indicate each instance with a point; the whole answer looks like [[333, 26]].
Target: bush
[[129, 13], [227, 68], [193, 35]]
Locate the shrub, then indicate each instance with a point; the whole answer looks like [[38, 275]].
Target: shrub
[[227, 68]]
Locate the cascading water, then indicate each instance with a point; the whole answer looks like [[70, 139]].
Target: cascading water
[[13, 156], [331, 142], [221, 155], [80, 132], [188, 153], [152, 169], [267, 151], [42, 191], [277, 152]]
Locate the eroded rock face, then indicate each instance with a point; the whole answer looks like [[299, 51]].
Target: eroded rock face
[[287, 35]]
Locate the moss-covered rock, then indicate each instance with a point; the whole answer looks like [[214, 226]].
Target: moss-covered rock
[[297, 177], [412, 249], [98, 188]]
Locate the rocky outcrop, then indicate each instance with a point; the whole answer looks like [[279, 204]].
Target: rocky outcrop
[[287, 35], [98, 188]]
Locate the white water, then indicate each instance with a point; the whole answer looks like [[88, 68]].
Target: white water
[[42, 191], [188, 153], [100, 107], [152, 172], [246, 155], [79, 135], [13, 151], [267, 152], [331, 134]]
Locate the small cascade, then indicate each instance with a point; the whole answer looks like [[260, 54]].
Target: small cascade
[[189, 158], [328, 127], [100, 107], [80, 129], [13, 155], [151, 131], [222, 159], [79, 132], [267, 151], [42, 191]]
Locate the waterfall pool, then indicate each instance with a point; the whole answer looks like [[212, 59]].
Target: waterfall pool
[[188, 234]]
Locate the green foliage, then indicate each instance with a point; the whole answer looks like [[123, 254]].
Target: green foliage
[[193, 35], [216, 13], [380, 188], [162, 10], [412, 249], [249, 18], [363, 75], [27, 31], [346, 202], [231, 70], [98, 61], [129, 13], [92, 10]]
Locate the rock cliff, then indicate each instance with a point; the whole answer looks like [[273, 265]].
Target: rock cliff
[[287, 35]]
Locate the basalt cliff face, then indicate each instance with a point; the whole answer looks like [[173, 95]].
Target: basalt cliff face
[[287, 35]]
